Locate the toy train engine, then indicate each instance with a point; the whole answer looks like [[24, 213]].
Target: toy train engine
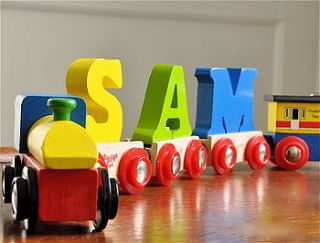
[[224, 119], [294, 122], [56, 180]]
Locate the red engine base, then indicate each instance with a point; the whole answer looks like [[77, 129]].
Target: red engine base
[[66, 195]]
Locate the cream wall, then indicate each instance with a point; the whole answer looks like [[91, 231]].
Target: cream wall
[[40, 39]]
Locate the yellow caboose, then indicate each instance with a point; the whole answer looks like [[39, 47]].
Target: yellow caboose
[[295, 124]]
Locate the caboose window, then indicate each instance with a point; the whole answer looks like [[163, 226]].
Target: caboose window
[[304, 113], [286, 113], [295, 114]]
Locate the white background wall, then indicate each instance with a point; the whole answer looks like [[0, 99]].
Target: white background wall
[[40, 39]]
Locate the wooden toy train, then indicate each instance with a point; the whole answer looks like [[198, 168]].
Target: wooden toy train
[[162, 146]]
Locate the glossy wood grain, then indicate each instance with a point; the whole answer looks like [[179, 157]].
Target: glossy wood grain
[[245, 206]]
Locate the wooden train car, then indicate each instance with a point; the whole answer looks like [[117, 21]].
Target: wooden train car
[[294, 123], [225, 121]]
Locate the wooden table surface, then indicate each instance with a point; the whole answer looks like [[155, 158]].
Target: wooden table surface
[[245, 206]]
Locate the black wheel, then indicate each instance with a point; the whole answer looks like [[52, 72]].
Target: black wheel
[[7, 178], [114, 198], [104, 202], [31, 176], [19, 198], [17, 165]]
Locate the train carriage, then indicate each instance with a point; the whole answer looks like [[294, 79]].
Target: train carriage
[[294, 123], [225, 121]]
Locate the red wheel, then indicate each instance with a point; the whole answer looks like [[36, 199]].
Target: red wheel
[[257, 152], [134, 170], [224, 155], [168, 164], [195, 159], [291, 153]]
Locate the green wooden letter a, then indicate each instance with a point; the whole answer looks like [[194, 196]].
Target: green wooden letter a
[[164, 114]]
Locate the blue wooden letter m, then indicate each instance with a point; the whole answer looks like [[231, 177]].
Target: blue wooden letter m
[[225, 100]]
